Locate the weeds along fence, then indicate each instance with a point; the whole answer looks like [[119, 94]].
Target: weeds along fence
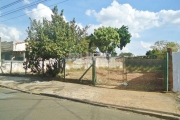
[[110, 71], [133, 73], [144, 65], [79, 69], [74, 69], [146, 72], [106, 71]]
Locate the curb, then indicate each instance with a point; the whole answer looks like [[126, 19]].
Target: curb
[[159, 114], [154, 113]]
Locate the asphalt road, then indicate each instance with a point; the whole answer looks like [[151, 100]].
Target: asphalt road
[[15, 105]]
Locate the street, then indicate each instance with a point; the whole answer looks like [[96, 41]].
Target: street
[[15, 105]]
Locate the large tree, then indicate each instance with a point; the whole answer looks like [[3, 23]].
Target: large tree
[[54, 39], [108, 38]]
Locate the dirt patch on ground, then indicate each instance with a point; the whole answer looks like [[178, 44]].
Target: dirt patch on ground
[[144, 82], [104, 76], [110, 77], [136, 81]]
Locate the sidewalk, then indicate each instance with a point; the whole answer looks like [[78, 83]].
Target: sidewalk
[[147, 102]]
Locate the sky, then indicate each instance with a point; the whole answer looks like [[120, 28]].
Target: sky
[[148, 20]]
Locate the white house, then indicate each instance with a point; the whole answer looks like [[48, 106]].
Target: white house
[[12, 57], [14, 50]]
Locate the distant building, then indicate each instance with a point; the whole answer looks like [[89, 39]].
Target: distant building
[[15, 50]]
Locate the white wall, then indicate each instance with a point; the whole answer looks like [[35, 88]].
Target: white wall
[[13, 46], [176, 71], [7, 46], [17, 67], [101, 62], [21, 46]]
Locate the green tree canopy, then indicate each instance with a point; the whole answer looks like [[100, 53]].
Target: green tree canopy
[[108, 38], [124, 35], [126, 54], [160, 47], [55, 39]]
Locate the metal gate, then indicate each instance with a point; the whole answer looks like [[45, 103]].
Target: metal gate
[[147, 73], [110, 71]]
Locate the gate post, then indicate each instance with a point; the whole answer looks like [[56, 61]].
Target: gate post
[[64, 67], [170, 69], [124, 69], [167, 72], [94, 71], [11, 65]]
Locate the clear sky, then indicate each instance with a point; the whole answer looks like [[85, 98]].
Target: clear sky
[[148, 20]]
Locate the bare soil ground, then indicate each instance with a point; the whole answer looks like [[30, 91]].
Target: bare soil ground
[[116, 78], [144, 82]]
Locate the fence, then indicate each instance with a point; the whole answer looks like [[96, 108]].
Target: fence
[[140, 73], [79, 69], [109, 71], [143, 65], [146, 73], [133, 73]]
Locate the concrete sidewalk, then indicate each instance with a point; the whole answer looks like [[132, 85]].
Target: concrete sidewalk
[[167, 104]]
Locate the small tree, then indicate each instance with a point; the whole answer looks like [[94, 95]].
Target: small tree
[[126, 54], [160, 47]]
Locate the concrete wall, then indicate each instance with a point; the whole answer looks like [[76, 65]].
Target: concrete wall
[[82, 63], [7, 46], [13, 46], [78, 63], [20, 46], [101, 62], [176, 71], [17, 67]]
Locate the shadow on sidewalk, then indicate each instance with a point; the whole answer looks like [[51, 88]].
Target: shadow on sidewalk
[[32, 78], [153, 82]]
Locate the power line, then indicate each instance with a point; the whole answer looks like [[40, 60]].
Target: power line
[[10, 4], [23, 7], [34, 11]]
